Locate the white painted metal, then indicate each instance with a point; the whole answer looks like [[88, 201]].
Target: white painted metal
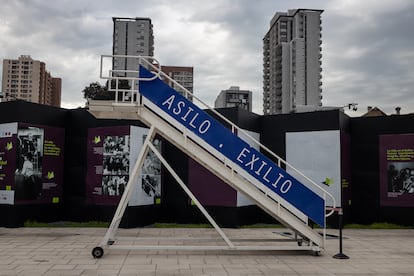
[[153, 64], [206, 155], [217, 247], [236, 169], [191, 195], [110, 233], [263, 197]]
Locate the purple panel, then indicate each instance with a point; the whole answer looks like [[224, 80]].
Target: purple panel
[[208, 188], [345, 169], [107, 173], [39, 161], [396, 160], [7, 161]]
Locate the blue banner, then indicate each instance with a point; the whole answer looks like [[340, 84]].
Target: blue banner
[[233, 147]]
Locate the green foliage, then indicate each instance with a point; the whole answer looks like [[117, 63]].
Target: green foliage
[[201, 225], [122, 84], [100, 224], [377, 225], [95, 91], [263, 225], [176, 225]]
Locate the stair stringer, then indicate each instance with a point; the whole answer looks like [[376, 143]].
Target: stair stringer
[[226, 170]]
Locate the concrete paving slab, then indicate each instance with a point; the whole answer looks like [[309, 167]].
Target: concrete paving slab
[[67, 251]]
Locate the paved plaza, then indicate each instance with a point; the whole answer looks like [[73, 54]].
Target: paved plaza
[[67, 251]]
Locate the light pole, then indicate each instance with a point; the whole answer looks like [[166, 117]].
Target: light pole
[[352, 106]]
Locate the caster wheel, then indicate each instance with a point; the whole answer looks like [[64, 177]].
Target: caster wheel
[[316, 251], [97, 252], [300, 243]]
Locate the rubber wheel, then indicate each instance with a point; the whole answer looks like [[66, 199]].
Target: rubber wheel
[[97, 252]]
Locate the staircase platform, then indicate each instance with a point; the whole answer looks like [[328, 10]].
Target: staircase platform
[[106, 109]]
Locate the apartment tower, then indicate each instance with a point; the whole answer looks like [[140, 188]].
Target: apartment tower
[[27, 79], [292, 62], [233, 97], [132, 37], [183, 75]]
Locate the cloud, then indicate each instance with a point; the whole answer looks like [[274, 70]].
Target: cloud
[[368, 56], [367, 45]]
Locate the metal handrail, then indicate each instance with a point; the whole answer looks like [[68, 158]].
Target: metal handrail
[[140, 58], [158, 73]]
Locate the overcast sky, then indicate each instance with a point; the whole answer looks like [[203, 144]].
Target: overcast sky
[[367, 46]]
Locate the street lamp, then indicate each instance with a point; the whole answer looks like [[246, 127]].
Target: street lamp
[[352, 106]]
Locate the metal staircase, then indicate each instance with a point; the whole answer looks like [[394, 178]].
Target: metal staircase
[[217, 148]]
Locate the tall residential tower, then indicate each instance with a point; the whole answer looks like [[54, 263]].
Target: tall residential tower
[[132, 37], [292, 62], [182, 74], [27, 79], [233, 97]]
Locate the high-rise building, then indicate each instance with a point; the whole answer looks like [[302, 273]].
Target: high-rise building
[[182, 75], [234, 97], [132, 37], [27, 79], [292, 62]]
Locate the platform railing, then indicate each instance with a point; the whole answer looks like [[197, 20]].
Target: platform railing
[[153, 65]]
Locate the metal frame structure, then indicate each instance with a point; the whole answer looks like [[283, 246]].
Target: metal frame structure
[[205, 154]]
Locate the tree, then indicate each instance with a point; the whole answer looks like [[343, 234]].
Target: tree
[[95, 91], [124, 89], [122, 84]]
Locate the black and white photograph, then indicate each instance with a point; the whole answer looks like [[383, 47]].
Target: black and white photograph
[[114, 185], [151, 185], [28, 174], [116, 155], [115, 165], [151, 171], [401, 177]]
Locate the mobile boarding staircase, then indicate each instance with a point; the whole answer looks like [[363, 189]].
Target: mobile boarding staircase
[[218, 148]]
